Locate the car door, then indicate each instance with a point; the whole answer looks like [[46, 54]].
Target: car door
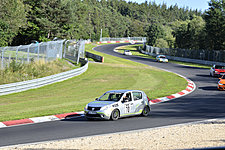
[[127, 104], [138, 103]]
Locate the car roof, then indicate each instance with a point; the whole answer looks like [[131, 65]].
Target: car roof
[[122, 91]]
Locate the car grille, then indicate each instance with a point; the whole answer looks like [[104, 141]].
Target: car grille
[[93, 115], [94, 108]]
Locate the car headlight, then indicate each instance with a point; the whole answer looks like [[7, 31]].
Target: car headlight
[[220, 83], [86, 107], [216, 72], [105, 107]]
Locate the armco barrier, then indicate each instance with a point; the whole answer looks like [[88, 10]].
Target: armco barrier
[[36, 83], [131, 41], [95, 57]]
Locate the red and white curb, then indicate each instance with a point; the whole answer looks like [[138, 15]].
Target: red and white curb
[[190, 88], [38, 119]]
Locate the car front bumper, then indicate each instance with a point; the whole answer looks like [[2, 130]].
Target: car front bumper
[[96, 114]]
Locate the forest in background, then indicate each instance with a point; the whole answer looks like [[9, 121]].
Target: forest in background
[[22, 21]]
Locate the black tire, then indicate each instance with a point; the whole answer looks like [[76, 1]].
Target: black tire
[[115, 115], [146, 111]]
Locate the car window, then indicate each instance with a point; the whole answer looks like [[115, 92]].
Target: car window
[[223, 77], [111, 97], [137, 95], [219, 67]]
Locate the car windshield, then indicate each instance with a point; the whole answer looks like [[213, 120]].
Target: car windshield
[[219, 67], [111, 96], [162, 56], [223, 77]]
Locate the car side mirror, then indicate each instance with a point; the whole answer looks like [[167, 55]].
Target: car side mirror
[[96, 99]]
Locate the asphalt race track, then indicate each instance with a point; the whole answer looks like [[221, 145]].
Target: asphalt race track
[[206, 102]]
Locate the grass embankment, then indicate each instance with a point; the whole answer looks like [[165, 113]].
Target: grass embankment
[[73, 94], [17, 72], [133, 49]]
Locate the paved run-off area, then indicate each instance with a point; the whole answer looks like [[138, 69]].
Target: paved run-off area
[[210, 133]]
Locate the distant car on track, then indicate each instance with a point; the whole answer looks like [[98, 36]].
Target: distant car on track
[[127, 52], [217, 70], [161, 58], [221, 83], [117, 104]]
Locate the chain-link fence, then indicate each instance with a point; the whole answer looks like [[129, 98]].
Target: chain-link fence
[[74, 50], [46, 51], [26, 53], [143, 39], [208, 55]]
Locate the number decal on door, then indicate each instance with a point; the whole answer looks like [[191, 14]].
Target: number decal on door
[[127, 108]]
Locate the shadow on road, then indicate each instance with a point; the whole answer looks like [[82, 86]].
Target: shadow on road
[[209, 88]]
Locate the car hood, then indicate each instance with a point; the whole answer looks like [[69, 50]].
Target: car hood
[[220, 70], [100, 103]]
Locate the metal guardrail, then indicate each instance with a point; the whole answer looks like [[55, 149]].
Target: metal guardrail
[[143, 39], [36, 83], [94, 56]]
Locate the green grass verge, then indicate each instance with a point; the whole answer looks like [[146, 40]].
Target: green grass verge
[[17, 72], [133, 49], [73, 94]]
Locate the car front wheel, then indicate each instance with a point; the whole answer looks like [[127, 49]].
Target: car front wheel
[[115, 115], [146, 111]]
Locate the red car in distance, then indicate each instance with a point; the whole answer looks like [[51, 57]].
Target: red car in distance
[[217, 71]]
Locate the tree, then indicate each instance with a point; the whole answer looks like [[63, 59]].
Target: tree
[[215, 24], [153, 33], [12, 17]]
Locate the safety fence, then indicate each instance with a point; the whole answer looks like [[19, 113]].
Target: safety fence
[[45, 50], [74, 50], [206, 55]]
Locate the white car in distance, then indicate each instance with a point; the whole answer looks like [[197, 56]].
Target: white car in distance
[[161, 58], [127, 52]]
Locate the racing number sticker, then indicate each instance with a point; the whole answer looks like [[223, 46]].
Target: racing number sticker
[[127, 108]]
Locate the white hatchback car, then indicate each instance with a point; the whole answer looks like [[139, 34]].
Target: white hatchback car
[[127, 52], [118, 103], [161, 58]]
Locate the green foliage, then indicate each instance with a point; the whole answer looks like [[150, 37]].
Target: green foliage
[[189, 34], [12, 17], [153, 33], [161, 43], [16, 72], [215, 24], [28, 20], [84, 19]]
